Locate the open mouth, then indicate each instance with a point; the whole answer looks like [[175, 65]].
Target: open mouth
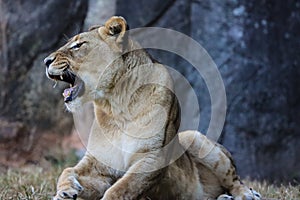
[[76, 88]]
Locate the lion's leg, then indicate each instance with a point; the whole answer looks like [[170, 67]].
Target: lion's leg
[[218, 160], [82, 181], [139, 178]]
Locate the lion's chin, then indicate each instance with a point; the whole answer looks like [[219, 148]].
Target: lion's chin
[[74, 105]]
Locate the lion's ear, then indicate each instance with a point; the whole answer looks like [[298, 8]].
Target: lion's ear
[[115, 28], [116, 25]]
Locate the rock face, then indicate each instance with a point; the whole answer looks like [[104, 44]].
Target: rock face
[[255, 45], [29, 31]]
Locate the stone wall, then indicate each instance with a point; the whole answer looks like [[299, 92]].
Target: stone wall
[[29, 106]]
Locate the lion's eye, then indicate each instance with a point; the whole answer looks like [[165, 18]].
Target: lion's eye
[[76, 46]]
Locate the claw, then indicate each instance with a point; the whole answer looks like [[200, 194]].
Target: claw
[[225, 197], [75, 196], [255, 194]]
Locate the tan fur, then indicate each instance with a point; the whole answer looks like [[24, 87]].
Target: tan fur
[[137, 115]]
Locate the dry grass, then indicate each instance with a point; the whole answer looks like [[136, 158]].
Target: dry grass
[[35, 183], [28, 183], [272, 192]]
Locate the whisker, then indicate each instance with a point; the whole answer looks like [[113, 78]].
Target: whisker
[[78, 29], [66, 38]]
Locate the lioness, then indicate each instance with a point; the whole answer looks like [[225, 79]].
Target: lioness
[[134, 151]]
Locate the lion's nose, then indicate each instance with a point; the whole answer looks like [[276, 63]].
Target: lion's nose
[[49, 60]]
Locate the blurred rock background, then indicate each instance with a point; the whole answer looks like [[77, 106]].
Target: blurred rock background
[[255, 45]]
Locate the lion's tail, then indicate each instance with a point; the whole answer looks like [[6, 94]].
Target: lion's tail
[[214, 162]]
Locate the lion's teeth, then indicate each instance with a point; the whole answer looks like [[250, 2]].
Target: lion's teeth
[[61, 77], [55, 84]]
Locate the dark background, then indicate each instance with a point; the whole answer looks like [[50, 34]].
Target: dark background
[[255, 44]]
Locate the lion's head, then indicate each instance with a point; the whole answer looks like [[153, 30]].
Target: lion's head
[[86, 58]]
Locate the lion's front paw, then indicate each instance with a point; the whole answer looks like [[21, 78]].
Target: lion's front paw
[[68, 189], [248, 194], [66, 194], [225, 197], [256, 194]]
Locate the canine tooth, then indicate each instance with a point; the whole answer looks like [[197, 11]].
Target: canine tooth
[[61, 77], [55, 83]]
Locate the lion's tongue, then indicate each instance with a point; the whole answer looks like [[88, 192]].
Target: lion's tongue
[[70, 93]]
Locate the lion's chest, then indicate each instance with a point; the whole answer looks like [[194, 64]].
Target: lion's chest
[[119, 148]]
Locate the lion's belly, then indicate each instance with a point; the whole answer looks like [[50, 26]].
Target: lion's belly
[[175, 188], [179, 182]]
